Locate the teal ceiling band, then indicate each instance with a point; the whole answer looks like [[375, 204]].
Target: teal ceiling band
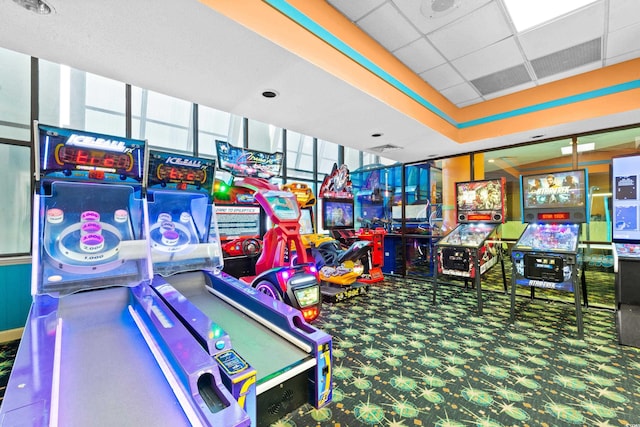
[[304, 21], [610, 90]]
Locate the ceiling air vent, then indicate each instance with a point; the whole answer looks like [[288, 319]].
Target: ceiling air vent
[[385, 148]]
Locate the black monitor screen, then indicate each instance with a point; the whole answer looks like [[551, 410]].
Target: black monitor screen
[[337, 214], [555, 197]]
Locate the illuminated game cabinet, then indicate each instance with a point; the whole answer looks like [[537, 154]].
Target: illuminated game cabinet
[[546, 254], [474, 246], [338, 217], [626, 243], [99, 345], [272, 360]]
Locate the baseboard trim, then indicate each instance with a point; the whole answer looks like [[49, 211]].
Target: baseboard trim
[[11, 335]]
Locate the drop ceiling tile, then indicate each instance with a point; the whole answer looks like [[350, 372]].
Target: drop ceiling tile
[[578, 27], [388, 27], [458, 94], [498, 56], [622, 58], [355, 10], [623, 41], [419, 56], [480, 28], [623, 13], [419, 13], [442, 77]]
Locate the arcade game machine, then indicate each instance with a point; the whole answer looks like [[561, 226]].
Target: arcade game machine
[[338, 218], [278, 360], [546, 255], [275, 272], [99, 346], [473, 247], [179, 196], [626, 247], [336, 266]]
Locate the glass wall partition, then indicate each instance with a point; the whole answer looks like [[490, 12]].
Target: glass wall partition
[[15, 174]]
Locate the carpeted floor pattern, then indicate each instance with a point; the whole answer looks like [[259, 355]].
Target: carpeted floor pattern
[[400, 361]]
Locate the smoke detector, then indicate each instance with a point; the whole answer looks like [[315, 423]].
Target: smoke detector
[[36, 6], [438, 8], [385, 148]]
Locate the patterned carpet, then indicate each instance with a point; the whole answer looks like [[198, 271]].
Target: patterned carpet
[[399, 361]]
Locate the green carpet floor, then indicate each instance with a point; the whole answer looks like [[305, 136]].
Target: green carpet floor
[[400, 361]]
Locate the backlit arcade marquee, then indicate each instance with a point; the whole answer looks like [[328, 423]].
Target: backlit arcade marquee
[[471, 248], [546, 255]]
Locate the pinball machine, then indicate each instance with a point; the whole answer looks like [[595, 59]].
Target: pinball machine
[[473, 246], [547, 254]]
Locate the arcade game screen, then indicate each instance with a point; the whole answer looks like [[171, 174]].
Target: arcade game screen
[[480, 200], [236, 221], [626, 205], [337, 214], [306, 222], [561, 190]]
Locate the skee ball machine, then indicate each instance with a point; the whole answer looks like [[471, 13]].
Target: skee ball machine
[[99, 347], [179, 200], [473, 247], [267, 351], [626, 247], [546, 254]]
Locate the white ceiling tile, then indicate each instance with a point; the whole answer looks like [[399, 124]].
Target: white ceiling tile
[[474, 31], [442, 77], [426, 24], [583, 25], [622, 58], [623, 13], [388, 27], [460, 93], [623, 41], [496, 57], [419, 56], [355, 10]]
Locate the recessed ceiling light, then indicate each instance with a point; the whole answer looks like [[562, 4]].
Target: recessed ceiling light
[[377, 135], [526, 14], [35, 6], [537, 136], [269, 93]]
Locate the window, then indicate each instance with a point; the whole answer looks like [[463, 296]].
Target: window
[[75, 99], [300, 156], [217, 125], [165, 122], [15, 174], [15, 112]]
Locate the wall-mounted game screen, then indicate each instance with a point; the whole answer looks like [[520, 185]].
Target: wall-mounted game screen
[[481, 201], [625, 202], [555, 197], [337, 214], [235, 221]]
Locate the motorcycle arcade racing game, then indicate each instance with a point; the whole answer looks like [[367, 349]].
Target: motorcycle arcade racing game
[[626, 248], [341, 259], [546, 254], [474, 246], [99, 347], [278, 362]]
